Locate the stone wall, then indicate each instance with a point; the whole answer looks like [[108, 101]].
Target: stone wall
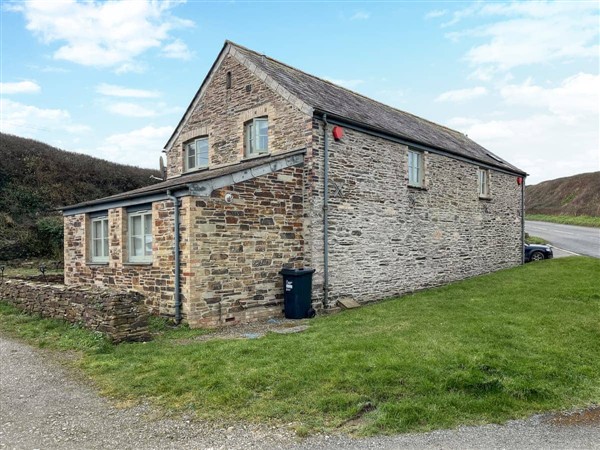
[[118, 314], [237, 249], [220, 114], [387, 238], [155, 280]]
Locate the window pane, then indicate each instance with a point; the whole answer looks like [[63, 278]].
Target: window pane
[[97, 248], [96, 229], [190, 151], [136, 246], [136, 226], [105, 253], [148, 244], [483, 182], [148, 233], [202, 152], [414, 168], [148, 224], [262, 135]]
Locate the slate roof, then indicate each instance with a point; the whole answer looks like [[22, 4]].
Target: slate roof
[[182, 182], [343, 104], [330, 98]]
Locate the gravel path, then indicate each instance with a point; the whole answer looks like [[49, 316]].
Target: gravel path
[[43, 406]]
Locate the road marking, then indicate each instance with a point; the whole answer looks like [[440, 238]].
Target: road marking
[[568, 251]]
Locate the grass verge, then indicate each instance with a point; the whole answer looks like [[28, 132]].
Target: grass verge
[[584, 221], [488, 349], [535, 239]]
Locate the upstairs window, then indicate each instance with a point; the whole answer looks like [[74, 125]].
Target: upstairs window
[[99, 241], [256, 135], [196, 154], [484, 182], [140, 236], [415, 168]]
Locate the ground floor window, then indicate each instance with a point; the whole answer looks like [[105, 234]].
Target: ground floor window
[[99, 241], [140, 236]]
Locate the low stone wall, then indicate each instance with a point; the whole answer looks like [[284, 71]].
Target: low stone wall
[[118, 314]]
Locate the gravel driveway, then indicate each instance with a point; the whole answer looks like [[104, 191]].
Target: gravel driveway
[[43, 406]]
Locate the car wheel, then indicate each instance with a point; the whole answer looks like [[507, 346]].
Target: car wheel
[[537, 256]]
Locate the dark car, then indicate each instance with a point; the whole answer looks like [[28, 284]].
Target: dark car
[[536, 252]]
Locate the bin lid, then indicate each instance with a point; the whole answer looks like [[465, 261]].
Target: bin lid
[[296, 272]]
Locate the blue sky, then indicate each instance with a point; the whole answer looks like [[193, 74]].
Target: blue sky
[[112, 79]]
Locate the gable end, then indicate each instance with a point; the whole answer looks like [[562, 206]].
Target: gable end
[[229, 49]]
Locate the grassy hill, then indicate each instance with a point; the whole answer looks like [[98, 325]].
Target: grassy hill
[[578, 195], [36, 178]]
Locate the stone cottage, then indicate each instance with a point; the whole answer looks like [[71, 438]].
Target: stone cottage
[[271, 167]]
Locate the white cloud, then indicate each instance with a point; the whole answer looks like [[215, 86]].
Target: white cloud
[[436, 13], [527, 33], [360, 15], [461, 95], [482, 74], [177, 50], [349, 84], [461, 14], [545, 145], [576, 96], [113, 90], [102, 34], [31, 121], [130, 110], [141, 147], [19, 87]]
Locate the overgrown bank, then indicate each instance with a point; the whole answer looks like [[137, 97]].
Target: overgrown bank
[[36, 178], [577, 195]]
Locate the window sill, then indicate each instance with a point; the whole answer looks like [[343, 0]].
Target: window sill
[[96, 263], [138, 263], [199, 169], [485, 198], [416, 188], [260, 155]]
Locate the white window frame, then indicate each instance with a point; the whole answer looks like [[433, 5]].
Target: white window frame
[[415, 168], [193, 158], [146, 238], [483, 182], [256, 143], [102, 257]]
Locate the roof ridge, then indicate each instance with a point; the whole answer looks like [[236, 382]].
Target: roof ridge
[[227, 41]]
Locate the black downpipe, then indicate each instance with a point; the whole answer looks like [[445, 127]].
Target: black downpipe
[[325, 214], [177, 293]]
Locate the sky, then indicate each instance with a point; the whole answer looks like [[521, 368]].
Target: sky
[[113, 79]]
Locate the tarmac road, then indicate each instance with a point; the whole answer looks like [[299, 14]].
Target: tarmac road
[[580, 240], [43, 406]]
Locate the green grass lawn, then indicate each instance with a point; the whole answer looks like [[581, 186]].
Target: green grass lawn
[[488, 349], [584, 221], [27, 272]]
